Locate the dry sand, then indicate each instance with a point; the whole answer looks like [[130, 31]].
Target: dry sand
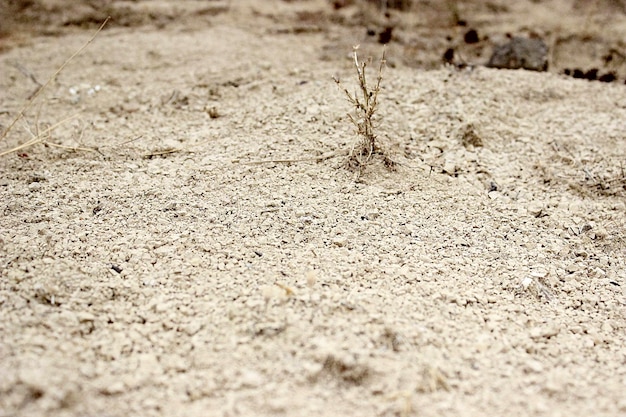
[[177, 271]]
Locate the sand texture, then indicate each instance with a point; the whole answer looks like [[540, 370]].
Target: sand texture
[[185, 240]]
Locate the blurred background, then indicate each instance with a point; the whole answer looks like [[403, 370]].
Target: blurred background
[[578, 38]]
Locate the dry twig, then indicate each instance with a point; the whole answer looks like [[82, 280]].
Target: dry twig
[[320, 158], [39, 138], [365, 103]]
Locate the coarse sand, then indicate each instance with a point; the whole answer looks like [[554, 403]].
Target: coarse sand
[[188, 242]]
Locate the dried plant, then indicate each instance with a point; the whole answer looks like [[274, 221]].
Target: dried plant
[[365, 103], [41, 137]]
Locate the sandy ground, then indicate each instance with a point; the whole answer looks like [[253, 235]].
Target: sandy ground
[[174, 264]]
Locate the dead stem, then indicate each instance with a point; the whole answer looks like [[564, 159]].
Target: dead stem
[[39, 137], [365, 107]]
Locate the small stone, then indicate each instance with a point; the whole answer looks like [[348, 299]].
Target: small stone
[[493, 195], [533, 366], [112, 387], [311, 278], [33, 378], [544, 332], [536, 209], [161, 307], [449, 167], [251, 379], [312, 369], [34, 186], [600, 233], [606, 328], [192, 328], [175, 363]]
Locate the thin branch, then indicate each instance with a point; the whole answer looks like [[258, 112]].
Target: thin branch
[[38, 138], [289, 161], [57, 72]]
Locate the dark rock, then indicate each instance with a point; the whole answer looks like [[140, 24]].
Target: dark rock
[[402, 5], [471, 36], [384, 37], [608, 77], [592, 74], [530, 54], [448, 56]]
